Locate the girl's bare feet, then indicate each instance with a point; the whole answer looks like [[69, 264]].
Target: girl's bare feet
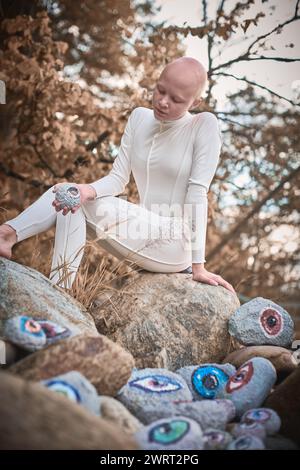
[[8, 238]]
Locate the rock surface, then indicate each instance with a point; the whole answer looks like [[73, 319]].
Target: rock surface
[[114, 411], [25, 291], [105, 364], [33, 417], [168, 320]]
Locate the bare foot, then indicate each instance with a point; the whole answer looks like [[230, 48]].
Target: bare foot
[[8, 238]]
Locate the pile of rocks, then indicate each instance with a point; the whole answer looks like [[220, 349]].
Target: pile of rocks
[[157, 376]]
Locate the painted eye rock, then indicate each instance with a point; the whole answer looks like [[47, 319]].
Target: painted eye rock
[[25, 332], [148, 390], [214, 439], [262, 322], [156, 383], [206, 380], [53, 331], [249, 429], [74, 386], [33, 334], [246, 443], [179, 433], [265, 416], [68, 194], [250, 385]]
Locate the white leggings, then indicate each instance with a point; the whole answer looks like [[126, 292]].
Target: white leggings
[[128, 231]]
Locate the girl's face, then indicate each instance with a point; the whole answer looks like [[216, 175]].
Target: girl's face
[[172, 97]]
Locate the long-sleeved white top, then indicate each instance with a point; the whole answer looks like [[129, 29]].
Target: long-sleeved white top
[[172, 162]]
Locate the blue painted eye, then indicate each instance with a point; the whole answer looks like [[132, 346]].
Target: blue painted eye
[[257, 415], [29, 326], [60, 386], [207, 380], [169, 432], [156, 383]]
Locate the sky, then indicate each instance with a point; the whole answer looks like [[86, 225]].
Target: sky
[[283, 78]]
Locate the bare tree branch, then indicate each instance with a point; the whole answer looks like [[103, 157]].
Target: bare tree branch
[[204, 5], [278, 59], [244, 79], [245, 57], [225, 119], [277, 28]]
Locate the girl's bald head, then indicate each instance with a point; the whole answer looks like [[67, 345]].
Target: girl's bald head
[[187, 72]]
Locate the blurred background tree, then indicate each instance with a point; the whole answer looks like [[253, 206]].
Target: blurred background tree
[[73, 73]]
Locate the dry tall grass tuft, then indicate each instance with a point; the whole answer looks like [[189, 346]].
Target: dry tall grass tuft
[[99, 273]]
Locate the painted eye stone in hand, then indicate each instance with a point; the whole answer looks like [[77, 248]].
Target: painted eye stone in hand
[[74, 386], [68, 194], [206, 380], [173, 433], [250, 385], [25, 332], [265, 416], [262, 322], [148, 389]]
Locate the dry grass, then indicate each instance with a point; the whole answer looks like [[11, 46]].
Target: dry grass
[[95, 277]]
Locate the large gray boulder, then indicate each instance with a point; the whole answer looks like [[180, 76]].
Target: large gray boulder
[[25, 291], [167, 320]]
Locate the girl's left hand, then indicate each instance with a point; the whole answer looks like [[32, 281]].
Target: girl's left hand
[[200, 274]]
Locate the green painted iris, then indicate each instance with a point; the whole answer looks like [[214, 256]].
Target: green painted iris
[[169, 432]]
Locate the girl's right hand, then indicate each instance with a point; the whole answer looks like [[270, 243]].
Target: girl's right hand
[[87, 193]]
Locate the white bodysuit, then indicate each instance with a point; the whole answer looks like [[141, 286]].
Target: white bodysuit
[[173, 163]]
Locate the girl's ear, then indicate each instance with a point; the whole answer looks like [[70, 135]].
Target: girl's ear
[[196, 103]]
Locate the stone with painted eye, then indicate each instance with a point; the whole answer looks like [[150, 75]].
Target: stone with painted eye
[[68, 194], [148, 388], [34, 334], [215, 439], [53, 331], [246, 443], [205, 380], [249, 429], [176, 433], [25, 332], [250, 385], [74, 386], [262, 322], [265, 416]]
